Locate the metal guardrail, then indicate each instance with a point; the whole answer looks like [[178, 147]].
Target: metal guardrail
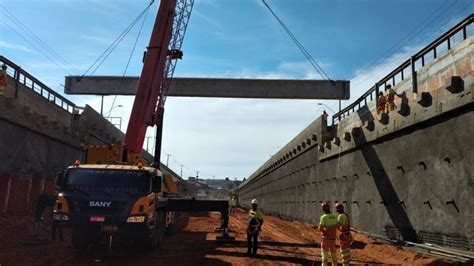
[[410, 65], [25, 78]]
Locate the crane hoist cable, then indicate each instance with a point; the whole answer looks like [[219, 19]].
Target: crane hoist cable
[[98, 62], [42, 47], [305, 52], [129, 58]]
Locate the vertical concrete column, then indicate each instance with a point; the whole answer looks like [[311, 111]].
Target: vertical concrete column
[[289, 185], [307, 195], [300, 194]]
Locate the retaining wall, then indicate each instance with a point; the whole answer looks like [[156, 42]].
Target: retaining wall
[[406, 175], [37, 139]]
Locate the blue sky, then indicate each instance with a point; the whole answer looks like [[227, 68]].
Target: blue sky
[[352, 40]]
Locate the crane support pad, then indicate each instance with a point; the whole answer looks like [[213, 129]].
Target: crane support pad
[[216, 87]]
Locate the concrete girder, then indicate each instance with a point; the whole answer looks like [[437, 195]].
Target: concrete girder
[[216, 87]]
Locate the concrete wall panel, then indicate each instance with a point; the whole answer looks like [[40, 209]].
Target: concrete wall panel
[[409, 179]]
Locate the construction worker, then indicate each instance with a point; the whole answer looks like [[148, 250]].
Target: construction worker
[[328, 227], [3, 80], [232, 205], [344, 233], [255, 223], [390, 105], [325, 118], [381, 102]]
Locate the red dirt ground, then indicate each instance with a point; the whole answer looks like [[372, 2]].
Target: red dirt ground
[[282, 243]]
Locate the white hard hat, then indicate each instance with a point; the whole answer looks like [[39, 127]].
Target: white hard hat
[[254, 201]]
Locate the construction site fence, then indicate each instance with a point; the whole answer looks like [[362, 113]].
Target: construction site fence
[[441, 45]]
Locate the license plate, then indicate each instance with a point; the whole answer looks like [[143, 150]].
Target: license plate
[[97, 219]]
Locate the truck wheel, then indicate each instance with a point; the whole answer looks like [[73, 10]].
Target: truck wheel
[[80, 239]]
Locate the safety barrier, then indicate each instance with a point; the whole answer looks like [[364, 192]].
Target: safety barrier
[[25, 78], [409, 67]]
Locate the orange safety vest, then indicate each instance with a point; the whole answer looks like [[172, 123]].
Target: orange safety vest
[[391, 96], [381, 101], [3, 78]]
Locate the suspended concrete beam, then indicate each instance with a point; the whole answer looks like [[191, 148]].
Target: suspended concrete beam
[[216, 87]]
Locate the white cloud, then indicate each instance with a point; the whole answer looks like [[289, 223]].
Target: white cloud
[[365, 78], [209, 20], [104, 8], [15, 46], [284, 70]]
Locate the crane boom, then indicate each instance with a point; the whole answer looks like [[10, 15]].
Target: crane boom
[[159, 65]]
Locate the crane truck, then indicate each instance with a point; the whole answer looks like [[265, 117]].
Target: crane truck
[[114, 193]]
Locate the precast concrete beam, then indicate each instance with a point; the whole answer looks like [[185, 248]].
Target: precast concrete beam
[[216, 87]]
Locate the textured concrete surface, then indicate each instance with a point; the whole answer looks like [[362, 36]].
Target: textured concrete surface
[[213, 87], [411, 178]]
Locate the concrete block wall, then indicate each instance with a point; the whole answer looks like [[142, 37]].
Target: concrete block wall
[[432, 80], [409, 179], [38, 139]]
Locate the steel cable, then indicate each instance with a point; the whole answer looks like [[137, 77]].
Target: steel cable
[[305, 52]]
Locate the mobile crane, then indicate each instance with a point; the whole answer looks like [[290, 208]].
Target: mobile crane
[[114, 193]]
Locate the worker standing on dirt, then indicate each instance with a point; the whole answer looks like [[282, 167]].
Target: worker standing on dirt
[[232, 205], [328, 227], [344, 233], [254, 227]]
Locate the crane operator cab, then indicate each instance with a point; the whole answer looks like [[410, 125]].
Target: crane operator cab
[[110, 200]]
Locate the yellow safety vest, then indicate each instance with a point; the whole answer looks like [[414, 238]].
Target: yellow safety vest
[[344, 224], [257, 214], [328, 225]]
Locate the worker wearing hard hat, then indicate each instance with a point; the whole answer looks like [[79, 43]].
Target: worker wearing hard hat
[[328, 226], [381, 102], [344, 233], [3, 80], [255, 223], [232, 205]]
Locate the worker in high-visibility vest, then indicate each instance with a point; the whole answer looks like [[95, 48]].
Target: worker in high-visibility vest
[[381, 102], [390, 105], [232, 205], [255, 222], [3, 80], [344, 233], [328, 227]]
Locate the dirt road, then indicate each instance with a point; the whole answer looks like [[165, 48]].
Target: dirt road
[[282, 243]]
